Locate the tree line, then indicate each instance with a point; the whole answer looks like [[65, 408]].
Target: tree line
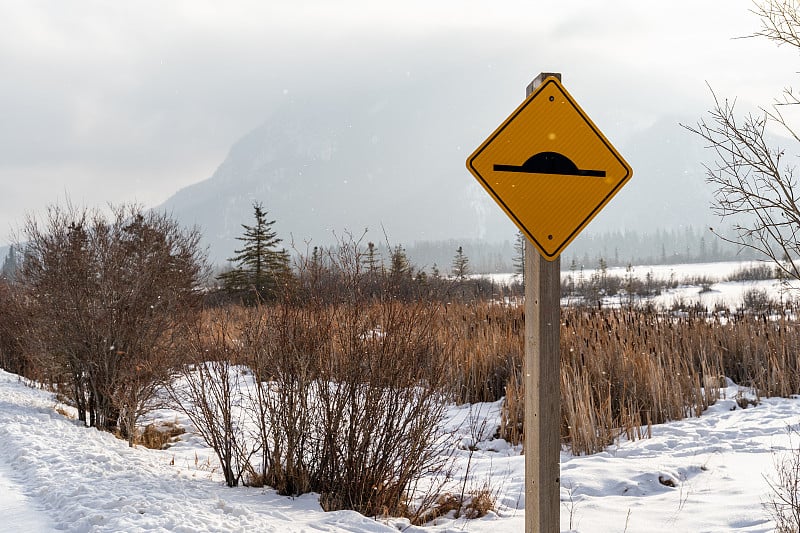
[[98, 305], [331, 355]]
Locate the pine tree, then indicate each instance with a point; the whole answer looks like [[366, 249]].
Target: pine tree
[[10, 264], [400, 272], [373, 259], [400, 265], [460, 265], [519, 253], [261, 268]]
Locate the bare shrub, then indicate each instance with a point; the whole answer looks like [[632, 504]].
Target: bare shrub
[[211, 391], [283, 344], [757, 301], [380, 388], [380, 394], [346, 398], [13, 327], [783, 504], [757, 272], [103, 301]]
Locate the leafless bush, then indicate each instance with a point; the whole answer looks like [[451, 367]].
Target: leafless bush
[[13, 325], [758, 301], [283, 344], [783, 504], [211, 391], [383, 405], [754, 273], [104, 300], [378, 393], [347, 399], [353, 269]]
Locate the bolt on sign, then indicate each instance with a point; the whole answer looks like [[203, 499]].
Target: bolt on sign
[[550, 168]]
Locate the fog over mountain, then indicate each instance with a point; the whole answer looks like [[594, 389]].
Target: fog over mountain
[[116, 102], [392, 161], [325, 165], [668, 189]]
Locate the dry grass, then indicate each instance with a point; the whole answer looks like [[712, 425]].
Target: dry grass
[[65, 413], [479, 503], [444, 504], [622, 370], [158, 436], [482, 344]]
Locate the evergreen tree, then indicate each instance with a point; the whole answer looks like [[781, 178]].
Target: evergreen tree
[[460, 265], [261, 268], [373, 259], [316, 265], [10, 264], [400, 265], [401, 272], [519, 254]]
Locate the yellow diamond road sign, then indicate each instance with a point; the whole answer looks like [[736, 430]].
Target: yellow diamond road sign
[[549, 168]]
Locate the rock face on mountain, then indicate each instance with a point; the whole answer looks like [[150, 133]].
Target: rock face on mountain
[[323, 167], [668, 189], [394, 163]]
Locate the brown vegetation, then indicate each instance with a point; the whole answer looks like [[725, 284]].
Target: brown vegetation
[[343, 400], [158, 436], [339, 386], [96, 306]]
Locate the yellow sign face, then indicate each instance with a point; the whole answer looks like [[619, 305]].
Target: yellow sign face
[[549, 168]]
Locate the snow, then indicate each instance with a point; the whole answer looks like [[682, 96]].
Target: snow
[[720, 293], [703, 474], [19, 511], [56, 475]]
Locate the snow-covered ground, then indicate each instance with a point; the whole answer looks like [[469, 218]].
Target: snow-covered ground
[[728, 294], [701, 474]]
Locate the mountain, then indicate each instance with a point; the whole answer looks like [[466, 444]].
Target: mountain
[[327, 164], [668, 189], [394, 162]]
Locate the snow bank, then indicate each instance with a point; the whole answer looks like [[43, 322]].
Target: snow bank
[[696, 475]]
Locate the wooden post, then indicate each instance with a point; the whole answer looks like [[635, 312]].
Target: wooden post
[[542, 384]]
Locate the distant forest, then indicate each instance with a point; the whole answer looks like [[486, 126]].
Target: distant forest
[[662, 247], [616, 248]]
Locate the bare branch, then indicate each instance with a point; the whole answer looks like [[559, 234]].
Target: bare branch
[[755, 188]]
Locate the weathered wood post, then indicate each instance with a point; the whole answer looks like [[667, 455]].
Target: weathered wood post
[[542, 384], [551, 170]]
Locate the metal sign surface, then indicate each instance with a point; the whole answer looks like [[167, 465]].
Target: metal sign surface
[[549, 168]]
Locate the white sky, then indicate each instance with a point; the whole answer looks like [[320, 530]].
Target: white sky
[[130, 101]]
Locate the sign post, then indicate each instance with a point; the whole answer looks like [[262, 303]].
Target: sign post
[[551, 170]]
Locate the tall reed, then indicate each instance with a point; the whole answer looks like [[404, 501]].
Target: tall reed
[[622, 370]]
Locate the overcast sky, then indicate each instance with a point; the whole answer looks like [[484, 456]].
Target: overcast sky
[[131, 101]]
